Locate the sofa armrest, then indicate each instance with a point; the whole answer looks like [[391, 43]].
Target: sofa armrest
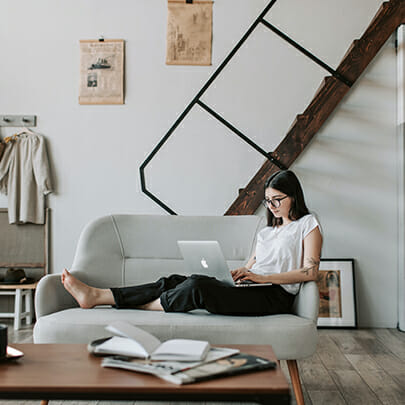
[[306, 304], [51, 296]]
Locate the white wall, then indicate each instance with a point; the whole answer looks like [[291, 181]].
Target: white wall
[[349, 171]]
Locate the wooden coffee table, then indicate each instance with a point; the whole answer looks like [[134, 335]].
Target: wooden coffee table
[[59, 371]]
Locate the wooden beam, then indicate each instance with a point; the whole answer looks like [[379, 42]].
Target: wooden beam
[[304, 128], [323, 104], [331, 92], [390, 15]]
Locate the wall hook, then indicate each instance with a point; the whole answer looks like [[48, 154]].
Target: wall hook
[[18, 120]]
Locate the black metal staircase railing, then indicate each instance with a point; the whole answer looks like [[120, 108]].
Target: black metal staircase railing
[[197, 101]]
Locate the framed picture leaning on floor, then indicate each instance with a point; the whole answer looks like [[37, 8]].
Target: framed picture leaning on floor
[[337, 294]]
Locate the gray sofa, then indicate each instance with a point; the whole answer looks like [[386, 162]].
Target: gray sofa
[[120, 250]]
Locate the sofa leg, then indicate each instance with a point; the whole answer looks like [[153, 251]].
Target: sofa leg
[[44, 402], [295, 380]]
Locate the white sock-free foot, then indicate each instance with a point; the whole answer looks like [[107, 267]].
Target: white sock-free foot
[[85, 295]]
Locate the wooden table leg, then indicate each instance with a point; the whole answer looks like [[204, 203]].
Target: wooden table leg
[[296, 382]]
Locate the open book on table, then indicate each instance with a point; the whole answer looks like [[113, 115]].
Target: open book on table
[[135, 342], [160, 368]]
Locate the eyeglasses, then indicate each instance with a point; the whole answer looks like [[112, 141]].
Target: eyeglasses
[[275, 202]]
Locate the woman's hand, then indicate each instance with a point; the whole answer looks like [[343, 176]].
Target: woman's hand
[[244, 274], [256, 278], [238, 273]]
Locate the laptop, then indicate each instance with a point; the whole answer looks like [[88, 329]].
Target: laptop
[[206, 257]]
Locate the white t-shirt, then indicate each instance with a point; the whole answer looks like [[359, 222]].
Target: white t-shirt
[[279, 250]]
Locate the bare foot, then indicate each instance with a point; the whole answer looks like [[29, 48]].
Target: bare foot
[[86, 296]]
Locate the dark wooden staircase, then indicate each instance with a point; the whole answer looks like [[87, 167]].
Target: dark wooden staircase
[[330, 93]]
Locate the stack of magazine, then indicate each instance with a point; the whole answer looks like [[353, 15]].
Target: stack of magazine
[[180, 361]]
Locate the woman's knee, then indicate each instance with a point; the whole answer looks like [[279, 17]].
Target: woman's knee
[[171, 281], [176, 278], [199, 281]]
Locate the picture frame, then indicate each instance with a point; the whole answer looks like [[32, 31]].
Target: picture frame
[[189, 32], [337, 294], [101, 71]]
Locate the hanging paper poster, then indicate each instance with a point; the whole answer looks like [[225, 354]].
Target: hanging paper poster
[[101, 72], [189, 32]]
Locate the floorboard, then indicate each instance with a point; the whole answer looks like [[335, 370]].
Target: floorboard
[[392, 341], [387, 390], [353, 388], [392, 366], [347, 342], [315, 376], [330, 354], [332, 397]]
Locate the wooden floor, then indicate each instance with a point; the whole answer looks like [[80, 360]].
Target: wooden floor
[[365, 366]]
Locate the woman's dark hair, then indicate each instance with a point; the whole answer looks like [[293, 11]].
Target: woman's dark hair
[[287, 182]]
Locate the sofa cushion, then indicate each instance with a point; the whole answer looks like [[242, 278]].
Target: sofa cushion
[[292, 337]]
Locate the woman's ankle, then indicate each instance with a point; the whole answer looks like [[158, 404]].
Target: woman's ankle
[[152, 306], [103, 296]]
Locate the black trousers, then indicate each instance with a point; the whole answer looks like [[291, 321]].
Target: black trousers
[[182, 294]]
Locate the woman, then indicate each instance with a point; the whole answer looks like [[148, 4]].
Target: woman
[[287, 253]]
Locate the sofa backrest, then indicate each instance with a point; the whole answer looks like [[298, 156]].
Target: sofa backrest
[[119, 250]]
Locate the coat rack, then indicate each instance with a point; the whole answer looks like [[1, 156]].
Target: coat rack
[[18, 120]]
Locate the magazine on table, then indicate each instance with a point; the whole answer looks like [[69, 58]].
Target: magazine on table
[[160, 368], [135, 342], [237, 364]]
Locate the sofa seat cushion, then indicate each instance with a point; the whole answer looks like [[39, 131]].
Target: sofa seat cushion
[[291, 337]]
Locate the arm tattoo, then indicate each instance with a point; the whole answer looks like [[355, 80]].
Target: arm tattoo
[[312, 266]]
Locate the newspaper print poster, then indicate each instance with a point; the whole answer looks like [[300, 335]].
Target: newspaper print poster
[[330, 294], [101, 72], [189, 33]]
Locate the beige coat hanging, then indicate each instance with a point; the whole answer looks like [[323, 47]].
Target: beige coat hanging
[[189, 32], [25, 177]]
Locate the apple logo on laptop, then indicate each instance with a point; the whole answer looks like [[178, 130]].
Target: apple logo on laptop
[[204, 263]]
